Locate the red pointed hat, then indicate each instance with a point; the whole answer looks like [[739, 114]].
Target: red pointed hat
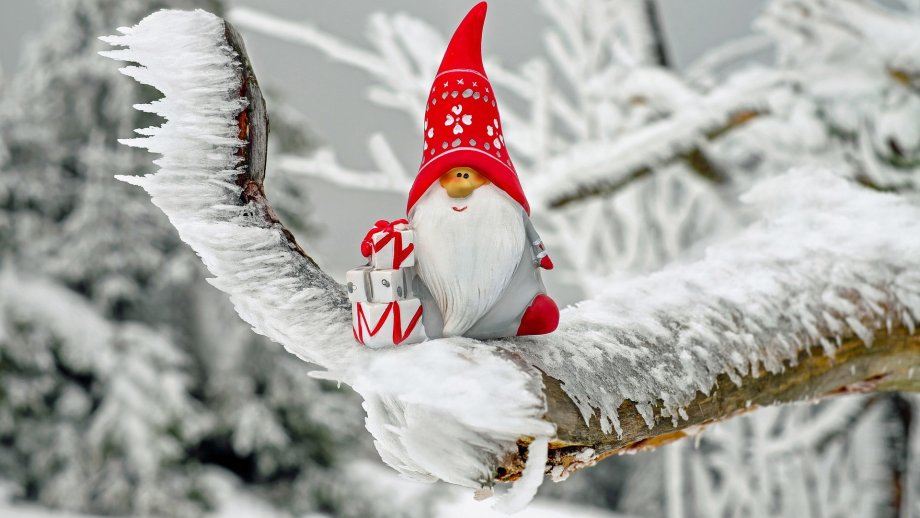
[[462, 125]]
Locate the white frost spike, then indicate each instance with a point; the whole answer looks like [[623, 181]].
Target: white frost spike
[[523, 491], [412, 391], [185, 55]]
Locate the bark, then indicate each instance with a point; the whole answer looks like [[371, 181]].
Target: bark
[[254, 127]]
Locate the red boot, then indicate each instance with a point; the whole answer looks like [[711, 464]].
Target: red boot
[[541, 317]]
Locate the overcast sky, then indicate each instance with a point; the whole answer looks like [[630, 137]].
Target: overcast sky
[[332, 97]]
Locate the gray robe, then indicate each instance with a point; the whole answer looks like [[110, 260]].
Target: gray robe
[[504, 318]]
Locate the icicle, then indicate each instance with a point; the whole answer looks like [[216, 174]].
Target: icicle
[[523, 491]]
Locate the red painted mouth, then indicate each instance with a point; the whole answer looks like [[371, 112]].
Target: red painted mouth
[[459, 209]]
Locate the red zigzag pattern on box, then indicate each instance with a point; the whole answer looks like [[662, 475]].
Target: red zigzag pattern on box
[[398, 334]]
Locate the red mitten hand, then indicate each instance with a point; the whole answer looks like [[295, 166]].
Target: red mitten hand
[[367, 245], [546, 263]]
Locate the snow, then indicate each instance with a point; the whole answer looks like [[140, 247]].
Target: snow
[[449, 386], [323, 165], [826, 456], [526, 487], [237, 502], [11, 509], [462, 506], [234, 502], [828, 259], [63, 312], [589, 166], [139, 389]]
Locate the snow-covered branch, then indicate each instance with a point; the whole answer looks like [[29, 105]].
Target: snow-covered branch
[[305, 34], [322, 165], [210, 187], [890, 364], [767, 317], [599, 171]]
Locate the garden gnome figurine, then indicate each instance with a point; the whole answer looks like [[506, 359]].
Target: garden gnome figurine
[[478, 255]]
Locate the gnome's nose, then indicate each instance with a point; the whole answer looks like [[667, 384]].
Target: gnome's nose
[[460, 182], [460, 188]]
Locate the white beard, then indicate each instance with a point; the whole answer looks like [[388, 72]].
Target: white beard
[[466, 259]]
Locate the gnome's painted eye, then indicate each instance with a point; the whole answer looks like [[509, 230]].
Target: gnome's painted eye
[[459, 175], [466, 175]]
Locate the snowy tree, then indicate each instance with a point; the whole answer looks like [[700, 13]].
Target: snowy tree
[[781, 312], [114, 406], [126, 383], [93, 409]]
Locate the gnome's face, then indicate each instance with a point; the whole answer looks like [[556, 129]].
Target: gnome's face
[[469, 241]]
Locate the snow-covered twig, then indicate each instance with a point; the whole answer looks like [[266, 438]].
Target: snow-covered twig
[[401, 62], [322, 165], [707, 66], [305, 34], [602, 170]]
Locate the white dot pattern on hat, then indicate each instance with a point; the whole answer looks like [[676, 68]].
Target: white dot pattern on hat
[[458, 118]]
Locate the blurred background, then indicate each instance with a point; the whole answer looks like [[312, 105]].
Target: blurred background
[[128, 386]]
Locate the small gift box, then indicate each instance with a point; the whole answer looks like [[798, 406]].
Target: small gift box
[[390, 285], [382, 324], [356, 282], [389, 245], [366, 284]]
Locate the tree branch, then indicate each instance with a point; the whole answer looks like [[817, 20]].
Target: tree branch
[[253, 128], [210, 181], [693, 156], [656, 27], [891, 363]]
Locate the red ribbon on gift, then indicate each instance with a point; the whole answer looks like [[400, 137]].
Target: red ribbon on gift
[[398, 334], [400, 254]]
